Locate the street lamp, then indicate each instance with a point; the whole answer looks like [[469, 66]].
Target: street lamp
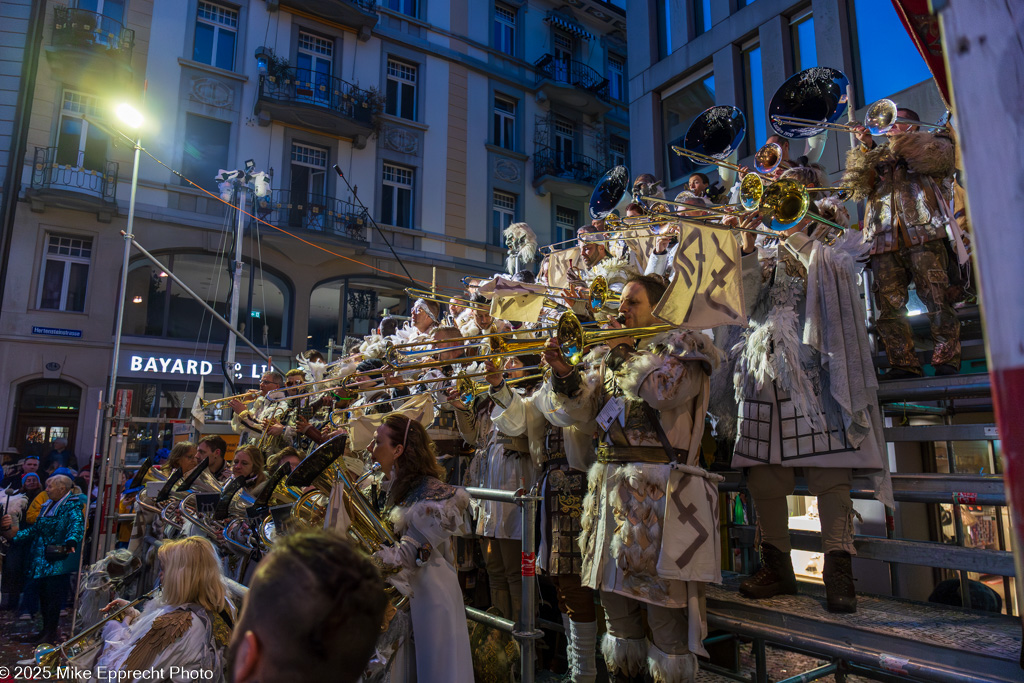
[[132, 118]]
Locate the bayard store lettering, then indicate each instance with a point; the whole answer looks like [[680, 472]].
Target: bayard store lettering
[[136, 364]]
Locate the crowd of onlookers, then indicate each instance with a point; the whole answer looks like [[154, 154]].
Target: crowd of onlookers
[[45, 508]]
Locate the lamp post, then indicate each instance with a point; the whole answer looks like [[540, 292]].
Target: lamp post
[[113, 463]]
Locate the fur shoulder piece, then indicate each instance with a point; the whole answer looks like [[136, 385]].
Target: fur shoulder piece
[[429, 488], [925, 153], [14, 503], [443, 503], [689, 345], [831, 208], [614, 270], [373, 346], [860, 169]]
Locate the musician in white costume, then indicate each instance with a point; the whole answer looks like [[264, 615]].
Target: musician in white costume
[[650, 533]]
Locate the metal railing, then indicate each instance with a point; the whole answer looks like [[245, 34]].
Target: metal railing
[[525, 631], [315, 213], [571, 72], [365, 5], [308, 87], [58, 168], [578, 167], [85, 28]]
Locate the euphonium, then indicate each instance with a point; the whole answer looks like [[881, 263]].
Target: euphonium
[[372, 533]]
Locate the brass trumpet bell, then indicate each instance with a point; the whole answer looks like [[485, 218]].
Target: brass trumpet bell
[[573, 340], [768, 157], [751, 190], [783, 204], [882, 116]]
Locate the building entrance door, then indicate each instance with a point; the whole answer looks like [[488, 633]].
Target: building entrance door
[[46, 410]]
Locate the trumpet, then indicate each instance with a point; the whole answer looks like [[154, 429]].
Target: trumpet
[[48, 656], [247, 397]]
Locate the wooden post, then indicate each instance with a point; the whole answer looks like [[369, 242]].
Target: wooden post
[[985, 59]]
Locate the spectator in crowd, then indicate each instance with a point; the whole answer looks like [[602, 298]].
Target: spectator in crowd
[[53, 539], [31, 485], [214, 448], [30, 463], [185, 627], [313, 613], [61, 455]]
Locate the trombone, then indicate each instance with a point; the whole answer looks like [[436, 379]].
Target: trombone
[[247, 397], [879, 119]]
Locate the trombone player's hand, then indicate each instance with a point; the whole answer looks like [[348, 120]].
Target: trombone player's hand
[[614, 324], [454, 400], [863, 136], [553, 357], [494, 376], [119, 603], [747, 221]]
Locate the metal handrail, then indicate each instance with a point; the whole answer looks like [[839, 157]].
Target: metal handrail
[[525, 631], [54, 167], [316, 213], [578, 167], [573, 73], [312, 88], [82, 27]]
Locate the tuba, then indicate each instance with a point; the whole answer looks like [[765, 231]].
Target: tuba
[[815, 94]]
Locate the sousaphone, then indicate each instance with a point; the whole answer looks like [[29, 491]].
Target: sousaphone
[[815, 94]]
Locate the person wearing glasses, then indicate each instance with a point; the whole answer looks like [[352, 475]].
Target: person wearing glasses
[[262, 417]]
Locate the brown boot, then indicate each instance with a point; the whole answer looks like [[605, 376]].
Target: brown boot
[[775, 577], [838, 577]]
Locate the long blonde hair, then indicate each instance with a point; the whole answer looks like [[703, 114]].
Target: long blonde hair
[[191, 573]]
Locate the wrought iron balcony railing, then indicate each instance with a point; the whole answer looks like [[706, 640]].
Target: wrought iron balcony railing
[[60, 168], [315, 213], [573, 73], [87, 29], [308, 87], [578, 167]]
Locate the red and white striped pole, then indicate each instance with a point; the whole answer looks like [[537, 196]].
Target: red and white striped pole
[[985, 59]]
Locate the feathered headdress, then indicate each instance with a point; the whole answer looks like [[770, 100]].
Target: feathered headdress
[[522, 247]]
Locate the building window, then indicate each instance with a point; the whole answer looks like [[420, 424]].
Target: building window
[[753, 82], [565, 140], [505, 29], [677, 113], [877, 24], [565, 52], [206, 150], [65, 273], [314, 64], [504, 123], [618, 151], [701, 16], [503, 214], [156, 307], [407, 7], [805, 50], [308, 186], [616, 77], [396, 196], [664, 28], [79, 144], [566, 223], [401, 90], [216, 31]]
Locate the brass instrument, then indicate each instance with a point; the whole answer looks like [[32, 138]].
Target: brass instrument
[[714, 135], [809, 102], [247, 397], [320, 469], [50, 656], [768, 157], [573, 339], [468, 390]]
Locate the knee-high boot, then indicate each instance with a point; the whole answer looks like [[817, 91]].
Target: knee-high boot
[[584, 646], [625, 658]]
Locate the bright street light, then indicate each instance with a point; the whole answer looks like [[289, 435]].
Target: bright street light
[[129, 115]]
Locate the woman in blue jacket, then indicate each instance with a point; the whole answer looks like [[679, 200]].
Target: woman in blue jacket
[[53, 541]]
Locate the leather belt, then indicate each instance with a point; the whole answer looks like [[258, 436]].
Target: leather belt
[[517, 443], [654, 454]]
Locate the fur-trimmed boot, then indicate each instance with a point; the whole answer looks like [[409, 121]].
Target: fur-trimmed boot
[[775, 577], [583, 643], [666, 668], [625, 658], [840, 595]]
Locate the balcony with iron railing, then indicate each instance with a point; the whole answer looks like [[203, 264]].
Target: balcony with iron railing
[[572, 84], [86, 43], [314, 213], [566, 173], [358, 14], [309, 99], [71, 179]]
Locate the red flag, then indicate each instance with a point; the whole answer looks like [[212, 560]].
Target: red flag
[[923, 28]]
